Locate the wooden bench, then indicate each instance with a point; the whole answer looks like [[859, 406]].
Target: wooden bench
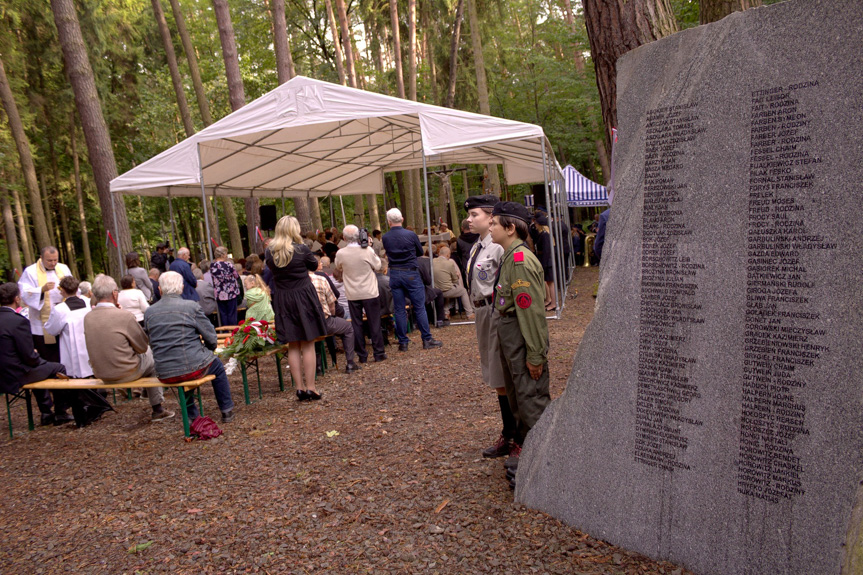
[[73, 384]]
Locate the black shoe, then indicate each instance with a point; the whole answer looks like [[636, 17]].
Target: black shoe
[[510, 473], [302, 395], [46, 419], [512, 483], [439, 323], [351, 367], [403, 347], [313, 396], [512, 461], [501, 448], [227, 416], [380, 357], [62, 419], [363, 359], [431, 343]]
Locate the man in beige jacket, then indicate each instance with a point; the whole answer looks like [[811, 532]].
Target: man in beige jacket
[[119, 349], [355, 267]]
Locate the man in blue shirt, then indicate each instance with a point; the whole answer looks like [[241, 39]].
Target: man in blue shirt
[[182, 266], [402, 248]]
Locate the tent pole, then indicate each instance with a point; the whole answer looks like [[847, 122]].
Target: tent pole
[[120, 262], [216, 211], [332, 212], [551, 222], [344, 221], [283, 201], [173, 224], [428, 229], [204, 198]]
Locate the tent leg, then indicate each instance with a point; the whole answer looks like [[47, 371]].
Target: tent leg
[[342, 203], [428, 228], [173, 224], [204, 198], [551, 206], [117, 238]]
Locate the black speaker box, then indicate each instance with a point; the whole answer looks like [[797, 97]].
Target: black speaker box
[[268, 217]]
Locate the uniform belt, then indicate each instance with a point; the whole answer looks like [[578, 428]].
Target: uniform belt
[[483, 302]]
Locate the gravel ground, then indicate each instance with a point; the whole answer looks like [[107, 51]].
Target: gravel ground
[[400, 488]]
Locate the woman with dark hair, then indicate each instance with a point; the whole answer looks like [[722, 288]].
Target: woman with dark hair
[[132, 299], [299, 316], [226, 288], [542, 242], [142, 280]]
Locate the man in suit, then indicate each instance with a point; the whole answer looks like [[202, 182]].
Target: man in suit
[[182, 266], [19, 362]]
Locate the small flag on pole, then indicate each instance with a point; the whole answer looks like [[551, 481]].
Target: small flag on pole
[[214, 242], [109, 237], [260, 235]]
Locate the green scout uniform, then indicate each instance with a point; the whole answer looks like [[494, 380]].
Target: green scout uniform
[[523, 333]]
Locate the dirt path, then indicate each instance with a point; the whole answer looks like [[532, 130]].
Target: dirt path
[[401, 488]]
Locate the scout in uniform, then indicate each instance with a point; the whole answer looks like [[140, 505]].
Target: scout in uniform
[[481, 271], [522, 330]]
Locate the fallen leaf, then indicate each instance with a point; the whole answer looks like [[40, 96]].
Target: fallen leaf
[[440, 507], [139, 547], [194, 511], [332, 433]]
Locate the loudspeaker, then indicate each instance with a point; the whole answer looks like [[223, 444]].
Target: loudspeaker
[[538, 191], [268, 217]]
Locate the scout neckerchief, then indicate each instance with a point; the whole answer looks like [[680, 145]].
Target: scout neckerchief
[[45, 312], [511, 249]]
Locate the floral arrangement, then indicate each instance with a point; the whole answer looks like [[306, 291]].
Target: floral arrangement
[[252, 337]]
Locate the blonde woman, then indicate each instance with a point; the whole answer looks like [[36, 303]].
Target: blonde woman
[[258, 299], [299, 318]]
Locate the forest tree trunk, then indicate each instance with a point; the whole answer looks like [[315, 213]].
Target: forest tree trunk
[[614, 28], [715, 10], [337, 47], [100, 152], [22, 143], [82, 216], [238, 100], [481, 83], [9, 227], [24, 237], [455, 39]]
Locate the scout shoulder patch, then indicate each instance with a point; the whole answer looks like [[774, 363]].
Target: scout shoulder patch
[[523, 300], [520, 284], [518, 257]]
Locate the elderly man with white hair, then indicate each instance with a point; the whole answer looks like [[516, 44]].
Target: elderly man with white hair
[[177, 327], [355, 266], [182, 266], [118, 348], [403, 247]]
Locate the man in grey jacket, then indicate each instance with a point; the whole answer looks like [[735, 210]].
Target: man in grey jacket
[[176, 327]]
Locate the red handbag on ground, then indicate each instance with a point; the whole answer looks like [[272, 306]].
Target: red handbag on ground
[[205, 428]]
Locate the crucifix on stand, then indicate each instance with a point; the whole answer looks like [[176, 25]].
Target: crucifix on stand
[[445, 194]]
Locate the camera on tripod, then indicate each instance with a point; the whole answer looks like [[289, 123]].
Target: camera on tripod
[[364, 238]]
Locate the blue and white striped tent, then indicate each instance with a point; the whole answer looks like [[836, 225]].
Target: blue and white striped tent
[[580, 191]]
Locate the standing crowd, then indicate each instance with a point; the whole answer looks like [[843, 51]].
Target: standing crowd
[[160, 322]]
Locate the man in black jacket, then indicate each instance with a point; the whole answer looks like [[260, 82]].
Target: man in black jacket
[[19, 362]]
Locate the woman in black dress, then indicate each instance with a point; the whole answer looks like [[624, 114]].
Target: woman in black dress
[[299, 316], [542, 242]]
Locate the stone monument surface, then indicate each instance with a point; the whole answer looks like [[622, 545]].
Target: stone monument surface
[[714, 413]]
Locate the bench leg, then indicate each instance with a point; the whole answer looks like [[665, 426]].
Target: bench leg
[[30, 424], [184, 411], [245, 382], [279, 371], [9, 415], [258, 374]]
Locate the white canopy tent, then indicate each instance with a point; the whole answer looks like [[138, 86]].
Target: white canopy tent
[[315, 139]]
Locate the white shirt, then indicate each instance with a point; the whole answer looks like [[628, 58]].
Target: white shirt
[[31, 292], [133, 300], [68, 326]]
